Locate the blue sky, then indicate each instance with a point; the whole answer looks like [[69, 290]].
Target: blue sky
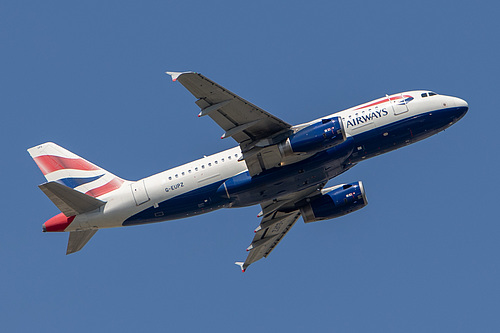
[[421, 257]]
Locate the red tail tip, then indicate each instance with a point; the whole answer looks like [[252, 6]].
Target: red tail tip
[[58, 223]]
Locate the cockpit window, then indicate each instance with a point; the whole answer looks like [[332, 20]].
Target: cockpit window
[[428, 94]]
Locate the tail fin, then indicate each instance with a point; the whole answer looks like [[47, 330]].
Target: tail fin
[[62, 166]]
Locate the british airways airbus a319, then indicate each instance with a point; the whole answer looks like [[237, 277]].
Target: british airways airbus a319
[[281, 167]]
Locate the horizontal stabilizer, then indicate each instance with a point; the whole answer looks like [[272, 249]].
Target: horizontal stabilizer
[[78, 239], [69, 201]]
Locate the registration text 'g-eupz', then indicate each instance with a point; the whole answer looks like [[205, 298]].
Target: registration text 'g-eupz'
[[174, 187]]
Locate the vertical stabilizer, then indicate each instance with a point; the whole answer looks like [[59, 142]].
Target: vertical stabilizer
[[62, 166]]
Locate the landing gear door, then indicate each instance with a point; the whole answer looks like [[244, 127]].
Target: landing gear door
[[398, 104], [139, 192]]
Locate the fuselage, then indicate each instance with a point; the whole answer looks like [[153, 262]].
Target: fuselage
[[222, 180]]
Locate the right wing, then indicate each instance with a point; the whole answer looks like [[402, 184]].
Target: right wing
[[256, 130]]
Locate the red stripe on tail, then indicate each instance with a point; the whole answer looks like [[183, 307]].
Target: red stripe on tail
[[50, 163], [106, 188]]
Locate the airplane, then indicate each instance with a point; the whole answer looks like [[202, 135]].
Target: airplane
[[281, 167]]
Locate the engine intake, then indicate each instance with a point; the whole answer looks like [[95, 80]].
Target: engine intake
[[335, 202], [316, 137]]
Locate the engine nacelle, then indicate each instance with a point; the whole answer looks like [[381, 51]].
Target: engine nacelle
[[316, 137], [334, 202]]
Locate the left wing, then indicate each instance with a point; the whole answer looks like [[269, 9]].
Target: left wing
[[278, 217], [256, 130]]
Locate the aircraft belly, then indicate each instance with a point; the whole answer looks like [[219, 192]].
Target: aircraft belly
[[244, 190]]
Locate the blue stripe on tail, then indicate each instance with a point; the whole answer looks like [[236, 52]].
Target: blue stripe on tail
[[75, 182]]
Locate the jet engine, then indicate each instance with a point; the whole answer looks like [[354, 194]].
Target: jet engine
[[334, 202], [316, 137]]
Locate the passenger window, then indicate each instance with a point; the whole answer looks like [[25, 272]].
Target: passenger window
[[189, 171], [222, 159], [170, 178], [176, 176], [203, 166], [229, 157], [216, 162], [209, 164], [196, 169]]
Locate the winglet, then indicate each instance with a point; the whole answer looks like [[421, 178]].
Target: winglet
[[240, 263], [175, 75]]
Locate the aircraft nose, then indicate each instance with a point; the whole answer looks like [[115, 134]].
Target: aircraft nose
[[461, 103], [460, 109]]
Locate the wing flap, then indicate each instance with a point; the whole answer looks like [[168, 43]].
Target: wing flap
[[70, 202]]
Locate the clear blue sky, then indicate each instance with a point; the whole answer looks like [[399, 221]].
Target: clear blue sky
[[423, 256]]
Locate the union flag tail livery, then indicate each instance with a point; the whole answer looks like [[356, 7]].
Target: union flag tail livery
[[283, 168], [62, 166]]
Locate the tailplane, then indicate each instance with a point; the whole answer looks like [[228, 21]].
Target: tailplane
[[62, 166], [78, 239], [70, 202]]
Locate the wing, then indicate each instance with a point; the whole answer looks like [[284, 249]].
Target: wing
[[278, 217], [256, 130]]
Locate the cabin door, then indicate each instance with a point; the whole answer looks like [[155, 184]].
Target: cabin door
[[398, 104], [139, 192]]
